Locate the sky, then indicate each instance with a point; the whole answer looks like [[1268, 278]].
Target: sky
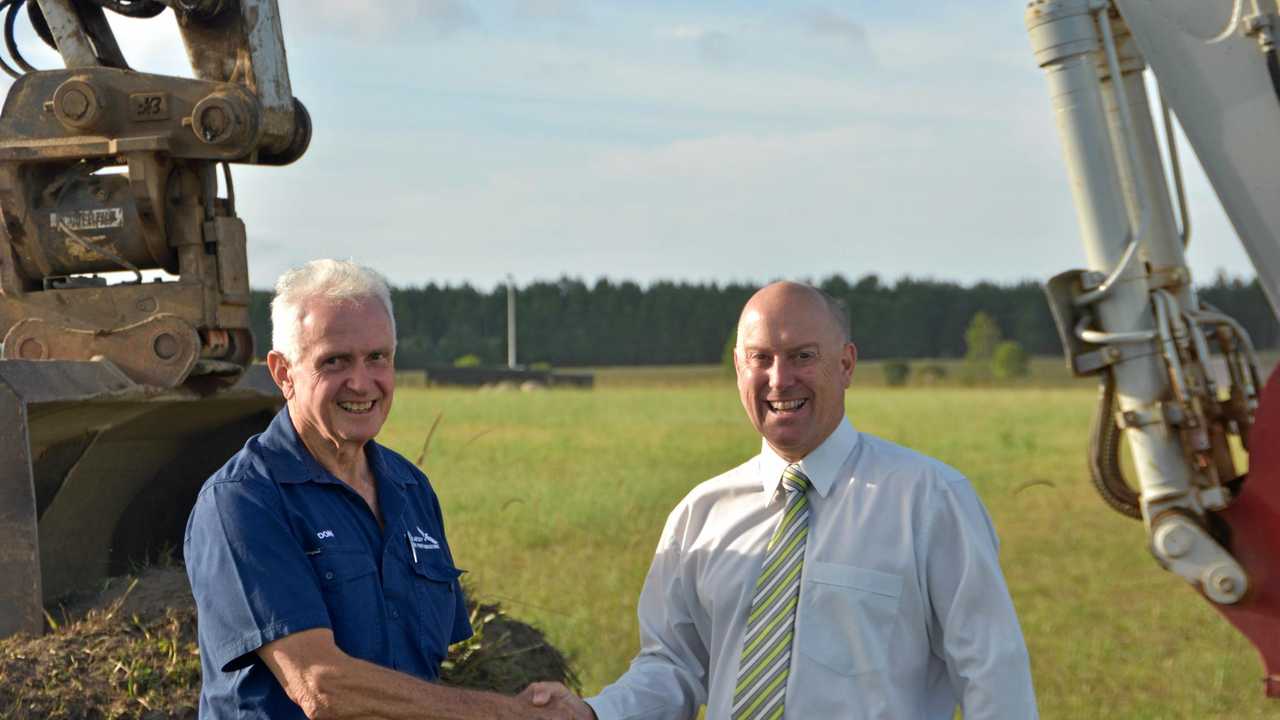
[[471, 140]]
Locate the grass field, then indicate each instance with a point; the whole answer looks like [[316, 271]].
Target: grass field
[[554, 500]]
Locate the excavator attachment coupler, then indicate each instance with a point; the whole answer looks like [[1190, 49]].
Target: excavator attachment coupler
[[98, 473], [1253, 519]]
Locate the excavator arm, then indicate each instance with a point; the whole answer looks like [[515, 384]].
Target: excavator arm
[[1180, 381], [118, 399]]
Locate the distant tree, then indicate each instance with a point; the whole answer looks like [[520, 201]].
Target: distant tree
[[726, 356], [1009, 361], [570, 322], [981, 338], [468, 361]]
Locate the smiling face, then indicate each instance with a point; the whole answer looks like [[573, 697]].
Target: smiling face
[[340, 386], [793, 366]]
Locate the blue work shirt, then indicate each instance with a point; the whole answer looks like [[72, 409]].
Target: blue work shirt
[[276, 545]]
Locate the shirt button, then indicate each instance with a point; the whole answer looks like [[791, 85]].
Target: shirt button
[[395, 613], [328, 575]]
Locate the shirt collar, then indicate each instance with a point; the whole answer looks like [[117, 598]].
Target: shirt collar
[[820, 466], [294, 463]]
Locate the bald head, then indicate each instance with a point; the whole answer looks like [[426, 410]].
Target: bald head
[[794, 362], [789, 298]]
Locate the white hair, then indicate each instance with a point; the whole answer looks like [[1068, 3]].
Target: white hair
[[331, 280]]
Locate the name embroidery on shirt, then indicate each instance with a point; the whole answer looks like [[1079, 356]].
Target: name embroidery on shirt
[[325, 535]]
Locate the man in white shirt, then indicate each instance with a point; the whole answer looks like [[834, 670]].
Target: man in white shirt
[[834, 575]]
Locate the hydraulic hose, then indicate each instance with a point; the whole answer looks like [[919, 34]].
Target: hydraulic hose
[[1104, 454]]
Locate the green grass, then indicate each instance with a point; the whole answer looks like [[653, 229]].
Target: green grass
[[554, 501]]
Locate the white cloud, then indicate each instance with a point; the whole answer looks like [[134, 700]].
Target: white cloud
[[829, 24]]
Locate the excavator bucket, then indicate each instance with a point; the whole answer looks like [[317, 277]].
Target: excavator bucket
[[98, 472], [1254, 539]]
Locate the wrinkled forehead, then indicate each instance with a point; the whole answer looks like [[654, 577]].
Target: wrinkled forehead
[[358, 324]]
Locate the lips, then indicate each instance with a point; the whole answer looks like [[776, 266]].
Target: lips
[[358, 408]]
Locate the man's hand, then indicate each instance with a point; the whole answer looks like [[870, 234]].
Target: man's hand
[[557, 697]]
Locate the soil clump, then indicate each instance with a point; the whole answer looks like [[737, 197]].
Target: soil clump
[[129, 652]]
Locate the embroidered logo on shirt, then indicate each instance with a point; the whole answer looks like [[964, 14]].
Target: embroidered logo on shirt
[[325, 534], [423, 541]]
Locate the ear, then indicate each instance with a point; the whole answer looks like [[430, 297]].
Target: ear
[[278, 365], [848, 359]]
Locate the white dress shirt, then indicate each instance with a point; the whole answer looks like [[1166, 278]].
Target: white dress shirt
[[903, 611]]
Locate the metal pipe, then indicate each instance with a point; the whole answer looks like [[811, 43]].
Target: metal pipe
[[1102, 291], [1201, 346], [1098, 337], [1175, 167], [1166, 306], [1135, 237], [1253, 377]]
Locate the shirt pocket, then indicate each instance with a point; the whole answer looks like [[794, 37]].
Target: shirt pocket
[[351, 592], [435, 589], [847, 617]]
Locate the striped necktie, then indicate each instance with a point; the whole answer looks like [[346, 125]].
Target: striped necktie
[[766, 647]]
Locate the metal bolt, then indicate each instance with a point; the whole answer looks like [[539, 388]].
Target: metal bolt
[[74, 104], [1223, 584], [219, 119], [1174, 540]]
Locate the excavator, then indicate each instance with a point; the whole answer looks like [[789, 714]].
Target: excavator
[[1179, 380], [117, 399]]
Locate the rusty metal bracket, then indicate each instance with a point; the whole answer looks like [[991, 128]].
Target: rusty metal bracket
[[1093, 361], [169, 347], [1172, 277], [1171, 413]]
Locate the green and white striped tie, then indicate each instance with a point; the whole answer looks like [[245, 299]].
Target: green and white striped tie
[[766, 648]]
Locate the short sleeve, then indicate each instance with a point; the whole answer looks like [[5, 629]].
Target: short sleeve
[[251, 578]]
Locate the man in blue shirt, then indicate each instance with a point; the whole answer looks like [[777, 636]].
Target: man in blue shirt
[[324, 583]]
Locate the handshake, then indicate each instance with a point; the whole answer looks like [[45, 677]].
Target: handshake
[[552, 700]]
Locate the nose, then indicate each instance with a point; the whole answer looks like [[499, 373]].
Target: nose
[[359, 380], [780, 374]]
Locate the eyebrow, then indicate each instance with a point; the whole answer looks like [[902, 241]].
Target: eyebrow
[[791, 349]]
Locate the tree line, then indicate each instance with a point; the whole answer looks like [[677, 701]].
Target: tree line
[[569, 322]]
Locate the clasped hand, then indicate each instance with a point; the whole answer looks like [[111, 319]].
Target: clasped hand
[[554, 700]]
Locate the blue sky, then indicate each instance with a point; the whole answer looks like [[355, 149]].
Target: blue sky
[[459, 141]]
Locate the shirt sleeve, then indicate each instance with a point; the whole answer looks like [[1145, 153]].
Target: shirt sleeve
[[667, 680], [975, 629], [251, 578]]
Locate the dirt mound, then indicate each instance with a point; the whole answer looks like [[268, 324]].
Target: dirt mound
[[129, 652]]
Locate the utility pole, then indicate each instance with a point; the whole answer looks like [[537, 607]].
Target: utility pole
[[511, 322]]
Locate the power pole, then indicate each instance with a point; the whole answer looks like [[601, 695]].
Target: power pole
[[511, 322]]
